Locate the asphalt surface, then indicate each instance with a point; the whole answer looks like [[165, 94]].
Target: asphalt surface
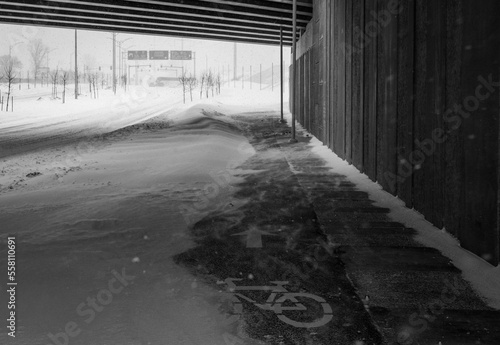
[[294, 248], [357, 276]]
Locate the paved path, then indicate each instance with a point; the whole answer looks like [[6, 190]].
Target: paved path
[[316, 230]]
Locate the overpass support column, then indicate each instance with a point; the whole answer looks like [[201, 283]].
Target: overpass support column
[[281, 71], [294, 69], [76, 65]]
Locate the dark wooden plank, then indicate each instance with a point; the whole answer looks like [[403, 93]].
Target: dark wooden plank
[[317, 114], [356, 52], [301, 88], [480, 136], [290, 90], [429, 108], [322, 68], [339, 81], [331, 77], [316, 87], [310, 109], [348, 80], [299, 93], [387, 67], [307, 87], [415, 158], [332, 126], [437, 177], [437, 174], [406, 44], [327, 90], [370, 92], [453, 146], [296, 94]]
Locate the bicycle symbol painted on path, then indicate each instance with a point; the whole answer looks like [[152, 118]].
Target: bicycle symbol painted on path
[[275, 302]]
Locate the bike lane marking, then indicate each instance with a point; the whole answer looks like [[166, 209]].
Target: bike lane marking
[[254, 237]]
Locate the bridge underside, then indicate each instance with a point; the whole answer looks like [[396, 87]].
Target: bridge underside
[[250, 21]]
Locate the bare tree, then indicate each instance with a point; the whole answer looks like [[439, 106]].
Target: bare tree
[[124, 81], [93, 79], [92, 85], [202, 84], [184, 80], [210, 83], [9, 59], [9, 73], [218, 82], [64, 80], [81, 77], [89, 79], [95, 82], [191, 83], [54, 78], [38, 51]]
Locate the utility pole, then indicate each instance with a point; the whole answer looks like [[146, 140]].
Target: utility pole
[[114, 63], [281, 72], [294, 70], [121, 59], [272, 76], [119, 63], [234, 61], [194, 63], [76, 64]]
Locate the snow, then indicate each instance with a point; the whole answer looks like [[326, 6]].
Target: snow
[[483, 276], [118, 201], [119, 198], [42, 116]]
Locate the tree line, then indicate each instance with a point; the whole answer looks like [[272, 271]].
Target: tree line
[[209, 82]]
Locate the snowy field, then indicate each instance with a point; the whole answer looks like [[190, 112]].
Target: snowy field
[[39, 120], [96, 190]]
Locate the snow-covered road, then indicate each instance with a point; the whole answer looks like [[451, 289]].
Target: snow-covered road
[[41, 123], [100, 218], [117, 209]]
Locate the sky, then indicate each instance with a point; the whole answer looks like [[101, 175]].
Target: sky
[[95, 49]]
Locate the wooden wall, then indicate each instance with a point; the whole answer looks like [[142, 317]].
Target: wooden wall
[[399, 89]]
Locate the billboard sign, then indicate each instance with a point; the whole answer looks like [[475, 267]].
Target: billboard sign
[[137, 54], [181, 55], [158, 55]]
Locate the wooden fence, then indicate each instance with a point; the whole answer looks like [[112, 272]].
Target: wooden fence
[[407, 91]]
